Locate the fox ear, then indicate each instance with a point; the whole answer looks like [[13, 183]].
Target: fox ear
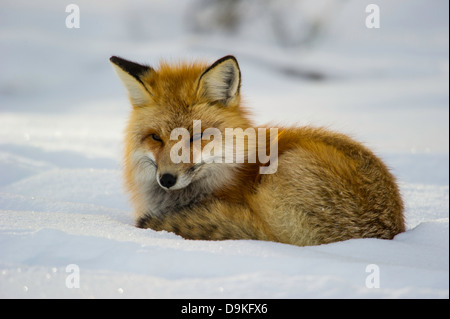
[[131, 75], [221, 82]]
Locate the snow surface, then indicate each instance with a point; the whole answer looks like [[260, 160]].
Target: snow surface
[[63, 110]]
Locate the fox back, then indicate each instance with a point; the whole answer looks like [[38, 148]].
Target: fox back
[[323, 186]]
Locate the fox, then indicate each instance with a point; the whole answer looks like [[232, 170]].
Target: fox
[[323, 187]]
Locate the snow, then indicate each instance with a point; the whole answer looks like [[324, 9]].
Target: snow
[[63, 111]]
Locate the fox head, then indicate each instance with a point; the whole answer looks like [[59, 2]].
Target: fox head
[[174, 97]]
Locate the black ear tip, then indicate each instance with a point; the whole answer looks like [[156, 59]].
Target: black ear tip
[[132, 68], [224, 59], [115, 59], [227, 57]]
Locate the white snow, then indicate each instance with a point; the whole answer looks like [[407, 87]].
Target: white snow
[[63, 111]]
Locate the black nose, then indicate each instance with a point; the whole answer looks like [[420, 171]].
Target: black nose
[[168, 180]]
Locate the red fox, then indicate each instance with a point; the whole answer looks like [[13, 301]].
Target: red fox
[[322, 187]]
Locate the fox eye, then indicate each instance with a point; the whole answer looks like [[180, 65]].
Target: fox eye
[[196, 137], [156, 137], [153, 136]]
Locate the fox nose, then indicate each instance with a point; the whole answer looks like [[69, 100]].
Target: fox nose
[[168, 180]]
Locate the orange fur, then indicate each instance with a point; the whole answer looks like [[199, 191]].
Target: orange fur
[[327, 187]]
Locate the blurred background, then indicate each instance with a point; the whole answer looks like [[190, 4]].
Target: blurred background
[[305, 62]]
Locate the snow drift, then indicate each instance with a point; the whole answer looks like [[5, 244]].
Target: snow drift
[[66, 226]]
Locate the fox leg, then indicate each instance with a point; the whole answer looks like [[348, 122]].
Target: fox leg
[[217, 221]]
